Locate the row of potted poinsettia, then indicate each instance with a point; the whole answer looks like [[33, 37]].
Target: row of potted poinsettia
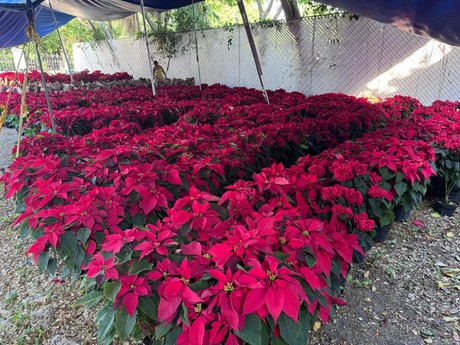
[[438, 125], [216, 105], [7, 78], [173, 254]]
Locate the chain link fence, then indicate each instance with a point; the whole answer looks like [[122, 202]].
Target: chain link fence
[[52, 63], [312, 55]]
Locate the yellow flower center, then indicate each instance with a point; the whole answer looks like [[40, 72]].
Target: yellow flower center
[[198, 308], [229, 287], [271, 275]]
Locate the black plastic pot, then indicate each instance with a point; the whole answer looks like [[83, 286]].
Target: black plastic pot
[[358, 258], [436, 188], [400, 214], [382, 233], [454, 196], [445, 209]]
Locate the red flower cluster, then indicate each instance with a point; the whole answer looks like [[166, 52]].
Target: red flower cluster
[[6, 78], [146, 197]]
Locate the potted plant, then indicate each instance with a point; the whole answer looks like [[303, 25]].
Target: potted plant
[[448, 166], [406, 195]]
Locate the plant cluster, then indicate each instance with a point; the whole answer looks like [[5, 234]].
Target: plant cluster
[[6, 78], [209, 217]]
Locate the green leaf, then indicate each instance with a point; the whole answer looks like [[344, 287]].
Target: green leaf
[[148, 307], [277, 341], [83, 235], [199, 285], [386, 174], [161, 330], [295, 333], [78, 257], [387, 217], [252, 331], [310, 259], [399, 177], [43, 261], [124, 256], [375, 207], [111, 289], [140, 266], [105, 326], [401, 188], [435, 215], [99, 237], [91, 299], [138, 220], [24, 230], [171, 338], [281, 256], [69, 241], [52, 265], [184, 315], [50, 220], [124, 324]]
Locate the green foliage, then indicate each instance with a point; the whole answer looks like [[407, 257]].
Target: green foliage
[[124, 324], [254, 332], [295, 333]]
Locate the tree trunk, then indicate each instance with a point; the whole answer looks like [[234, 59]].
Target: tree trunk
[[290, 8], [263, 14]]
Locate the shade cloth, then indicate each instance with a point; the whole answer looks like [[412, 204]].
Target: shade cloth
[[438, 19]]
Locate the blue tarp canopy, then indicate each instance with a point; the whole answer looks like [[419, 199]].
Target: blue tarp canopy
[[14, 23], [434, 18], [15, 14], [438, 19]]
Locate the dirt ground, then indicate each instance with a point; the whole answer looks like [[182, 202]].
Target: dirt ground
[[407, 291]]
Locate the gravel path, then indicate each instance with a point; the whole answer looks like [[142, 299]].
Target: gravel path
[[407, 292], [8, 137]]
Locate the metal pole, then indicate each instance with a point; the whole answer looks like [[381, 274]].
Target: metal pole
[[62, 43], [154, 88], [196, 44], [252, 44], [47, 96]]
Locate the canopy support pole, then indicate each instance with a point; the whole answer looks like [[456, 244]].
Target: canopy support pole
[[62, 43], [152, 78], [252, 44], [24, 110], [196, 44], [47, 95]]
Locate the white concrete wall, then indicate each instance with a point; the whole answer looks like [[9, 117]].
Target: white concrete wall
[[312, 56]]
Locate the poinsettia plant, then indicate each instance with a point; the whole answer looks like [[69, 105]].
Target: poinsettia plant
[[181, 219]]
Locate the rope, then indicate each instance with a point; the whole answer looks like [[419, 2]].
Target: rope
[[33, 37]]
